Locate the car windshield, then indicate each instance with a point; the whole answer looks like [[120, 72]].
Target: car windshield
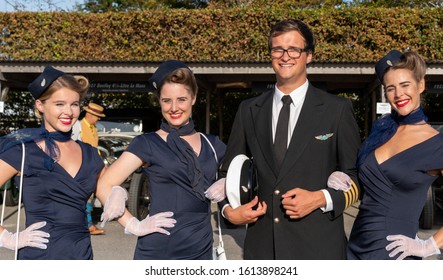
[[124, 126]]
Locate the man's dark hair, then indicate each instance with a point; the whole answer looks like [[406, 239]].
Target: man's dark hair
[[293, 25]]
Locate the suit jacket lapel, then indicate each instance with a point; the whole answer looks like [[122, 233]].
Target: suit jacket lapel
[[262, 121], [309, 119]]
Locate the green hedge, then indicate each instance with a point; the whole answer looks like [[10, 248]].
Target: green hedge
[[348, 34]]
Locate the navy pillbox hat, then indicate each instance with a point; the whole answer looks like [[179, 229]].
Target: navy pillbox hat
[[44, 80], [166, 68], [386, 62]]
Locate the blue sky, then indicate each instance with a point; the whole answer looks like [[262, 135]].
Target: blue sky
[[39, 5]]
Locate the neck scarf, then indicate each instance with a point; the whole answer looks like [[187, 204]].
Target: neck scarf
[[384, 128], [186, 155], [28, 135]]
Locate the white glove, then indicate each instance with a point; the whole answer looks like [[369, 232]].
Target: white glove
[[217, 191], [28, 237], [115, 205], [411, 247], [150, 224], [339, 181]]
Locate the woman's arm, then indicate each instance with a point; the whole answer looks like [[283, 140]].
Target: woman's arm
[[116, 174], [109, 191]]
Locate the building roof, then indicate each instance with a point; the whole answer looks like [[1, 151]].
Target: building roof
[[332, 76]]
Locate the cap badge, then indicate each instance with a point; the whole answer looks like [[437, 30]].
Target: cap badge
[[154, 84], [388, 62], [43, 83]]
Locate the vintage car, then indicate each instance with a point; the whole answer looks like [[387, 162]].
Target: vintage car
[[114, 137]]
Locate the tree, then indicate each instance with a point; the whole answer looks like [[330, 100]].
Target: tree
[[398, 3], [187, 4], [19, 107], [38, 5], [101, 6], [294, 4]]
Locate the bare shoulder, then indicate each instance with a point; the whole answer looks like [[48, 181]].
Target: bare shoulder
[[428, 131]]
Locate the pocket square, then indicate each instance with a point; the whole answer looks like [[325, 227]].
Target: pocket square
[[324, 136]]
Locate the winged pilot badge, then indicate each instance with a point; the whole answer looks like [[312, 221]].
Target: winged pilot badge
[[324, 136]]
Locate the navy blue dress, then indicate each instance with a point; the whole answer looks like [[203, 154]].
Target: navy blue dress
[[395, 193], [57, 198], [191, 238]]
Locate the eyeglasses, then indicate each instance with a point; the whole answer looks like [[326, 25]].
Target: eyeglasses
[[293, 52]]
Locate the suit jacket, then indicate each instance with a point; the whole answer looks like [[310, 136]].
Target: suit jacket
[[325, 139]]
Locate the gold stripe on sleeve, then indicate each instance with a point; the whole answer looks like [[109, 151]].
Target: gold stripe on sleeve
[[351, 196], [346, 199]]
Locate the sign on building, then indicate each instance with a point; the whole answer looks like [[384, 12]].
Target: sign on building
[[119, 87]]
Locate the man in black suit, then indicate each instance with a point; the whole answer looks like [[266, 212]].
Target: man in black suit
[[296, 215]]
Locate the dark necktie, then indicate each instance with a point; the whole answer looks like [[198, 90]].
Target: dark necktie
[[281, 132]]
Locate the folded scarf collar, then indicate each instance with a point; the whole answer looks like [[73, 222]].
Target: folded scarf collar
[[28, 135], [186, 155], [384, 128]]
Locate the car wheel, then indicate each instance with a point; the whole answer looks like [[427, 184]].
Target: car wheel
[[138, 200], [427, 215]]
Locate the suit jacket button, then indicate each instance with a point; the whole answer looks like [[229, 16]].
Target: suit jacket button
[[276, 220], [276, 192]]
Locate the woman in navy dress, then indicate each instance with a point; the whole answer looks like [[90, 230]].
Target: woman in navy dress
[[398, 162], [181, 168], [59, 173]]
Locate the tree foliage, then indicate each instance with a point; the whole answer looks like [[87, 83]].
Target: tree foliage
[[34, 5], [19, 112], [289, 4], [398, 3], [99, 6], [102, 6], [212, 34], [186, 4]]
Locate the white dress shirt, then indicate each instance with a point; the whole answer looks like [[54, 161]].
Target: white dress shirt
[[298, 97]]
